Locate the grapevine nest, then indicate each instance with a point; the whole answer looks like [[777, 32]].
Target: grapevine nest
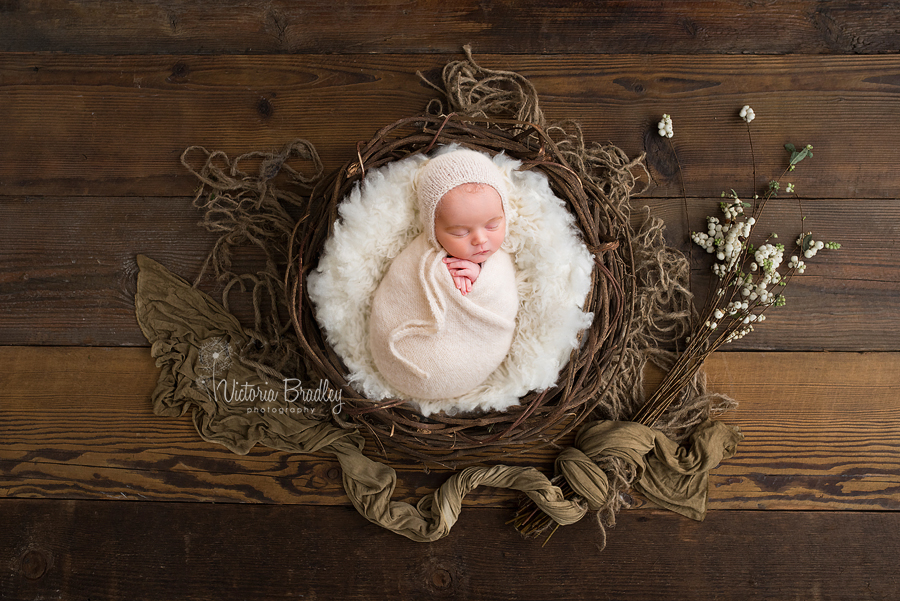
[[637, 296], [592, 192]]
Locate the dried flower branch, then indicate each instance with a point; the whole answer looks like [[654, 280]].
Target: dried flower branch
[[750, 280]]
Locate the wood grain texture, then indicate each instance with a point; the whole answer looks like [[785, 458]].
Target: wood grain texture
[[69, 277], [821, 434], [72, 121], [427, 26], [817, 426], [77, 549], [844, 300], [100, 499]]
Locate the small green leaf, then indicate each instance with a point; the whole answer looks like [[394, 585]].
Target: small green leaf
[[790, 147], [806, 242], [799, 156]]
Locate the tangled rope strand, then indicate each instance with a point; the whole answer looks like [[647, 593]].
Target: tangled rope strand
[[244, 209], [479, 92]]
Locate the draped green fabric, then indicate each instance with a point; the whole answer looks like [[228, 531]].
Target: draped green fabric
[[194, 340], [673, 476]]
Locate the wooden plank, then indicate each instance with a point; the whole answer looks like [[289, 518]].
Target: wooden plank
[[69, 549], [530, 27], [69, 277], [71, 121], [842, 301], [821, 428], [817, 426]]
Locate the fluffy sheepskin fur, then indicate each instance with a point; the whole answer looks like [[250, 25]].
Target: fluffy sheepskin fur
[[553, 273]]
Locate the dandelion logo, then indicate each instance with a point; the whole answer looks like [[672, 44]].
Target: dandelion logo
[[215, 356]]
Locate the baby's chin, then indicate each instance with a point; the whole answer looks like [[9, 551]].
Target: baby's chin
[[482, 257]]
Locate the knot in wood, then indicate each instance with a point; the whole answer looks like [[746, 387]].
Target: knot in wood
[[33, 564], [441, 579]]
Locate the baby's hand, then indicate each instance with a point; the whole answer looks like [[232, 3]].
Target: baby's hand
[[464, 273]]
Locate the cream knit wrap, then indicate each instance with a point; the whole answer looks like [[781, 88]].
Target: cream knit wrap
[[428, 341]]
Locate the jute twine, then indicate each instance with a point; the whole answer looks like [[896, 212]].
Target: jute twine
[[639, 295]]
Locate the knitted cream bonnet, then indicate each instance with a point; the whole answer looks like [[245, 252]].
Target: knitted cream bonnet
[[446, 171]]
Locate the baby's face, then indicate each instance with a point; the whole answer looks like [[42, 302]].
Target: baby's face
[[469, 222]]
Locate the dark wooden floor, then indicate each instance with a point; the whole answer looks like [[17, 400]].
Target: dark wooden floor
[[100, 499]]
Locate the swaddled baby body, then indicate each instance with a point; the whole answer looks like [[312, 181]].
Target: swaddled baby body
[[443, 317]]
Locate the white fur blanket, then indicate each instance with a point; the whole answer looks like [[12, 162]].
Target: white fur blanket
[[553, 276], [427, 339]]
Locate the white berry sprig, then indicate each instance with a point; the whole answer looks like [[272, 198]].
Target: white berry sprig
[[747, 113], [749, 279], [665, 127]]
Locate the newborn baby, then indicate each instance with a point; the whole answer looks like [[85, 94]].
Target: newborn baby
[[443, 317]]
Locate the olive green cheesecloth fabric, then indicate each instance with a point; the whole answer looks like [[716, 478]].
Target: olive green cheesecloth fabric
[[192, 336]]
